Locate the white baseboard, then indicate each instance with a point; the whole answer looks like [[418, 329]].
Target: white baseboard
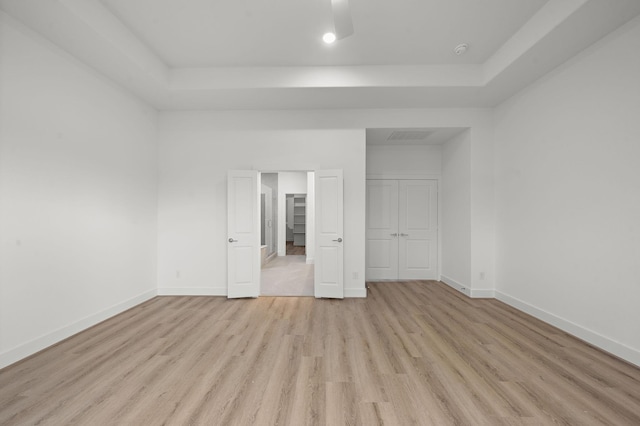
[[192, 291], [222, 291], [483, 293], [355, 292], [464, 289], [475, 293], [616, 348], [16, 354]]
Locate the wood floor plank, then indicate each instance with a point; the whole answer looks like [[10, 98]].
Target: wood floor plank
[[342, 406], [377, 413], [413, 353], [309, 396]]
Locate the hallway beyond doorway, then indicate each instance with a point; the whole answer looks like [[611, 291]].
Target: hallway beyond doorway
[[287, 276]]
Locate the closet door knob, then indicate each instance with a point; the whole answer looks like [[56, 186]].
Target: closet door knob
[[231, 240], [394, 235]]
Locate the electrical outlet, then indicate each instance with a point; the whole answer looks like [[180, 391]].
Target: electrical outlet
[[177, 274], [355, 275], [482, 275]]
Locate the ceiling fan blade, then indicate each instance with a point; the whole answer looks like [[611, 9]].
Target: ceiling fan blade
[[342, 18]]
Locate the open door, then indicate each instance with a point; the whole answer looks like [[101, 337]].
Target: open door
[[243, 234], [329, 277]]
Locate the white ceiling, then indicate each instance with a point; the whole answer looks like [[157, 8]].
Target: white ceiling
[[267, 54], [200, 33]]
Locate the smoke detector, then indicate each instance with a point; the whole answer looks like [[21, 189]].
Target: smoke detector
[[461, 49]]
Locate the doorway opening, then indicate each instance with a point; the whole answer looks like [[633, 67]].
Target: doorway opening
[[287, 267], [296, 224], [324, 232]]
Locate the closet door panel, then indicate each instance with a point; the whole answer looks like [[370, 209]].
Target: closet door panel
[[382, 230], [418, 229]]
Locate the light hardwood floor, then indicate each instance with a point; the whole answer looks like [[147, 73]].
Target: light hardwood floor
[[414, 353], [295, 250]]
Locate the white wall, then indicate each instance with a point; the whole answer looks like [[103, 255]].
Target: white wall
[[194, 160], [289, 183], [198, 147], [456, 212], [77, 196], [568, 196], [482, 211], [403, 161]]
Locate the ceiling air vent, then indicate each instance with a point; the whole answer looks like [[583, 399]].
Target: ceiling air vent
[[408, 135]]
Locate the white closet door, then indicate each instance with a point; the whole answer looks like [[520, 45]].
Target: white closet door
[[382, 230], [418, 229]]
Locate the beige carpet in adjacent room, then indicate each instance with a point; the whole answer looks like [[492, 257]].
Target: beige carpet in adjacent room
[[287, 276]]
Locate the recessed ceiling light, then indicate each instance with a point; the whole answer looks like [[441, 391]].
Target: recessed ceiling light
[[329, 38], [461, 49]]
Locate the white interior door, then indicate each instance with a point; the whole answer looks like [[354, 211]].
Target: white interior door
[[418, 228], [382, 230], [329, 277], [243, 234]]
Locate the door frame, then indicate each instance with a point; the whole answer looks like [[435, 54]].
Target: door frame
[[438, 179], [310, 260]]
